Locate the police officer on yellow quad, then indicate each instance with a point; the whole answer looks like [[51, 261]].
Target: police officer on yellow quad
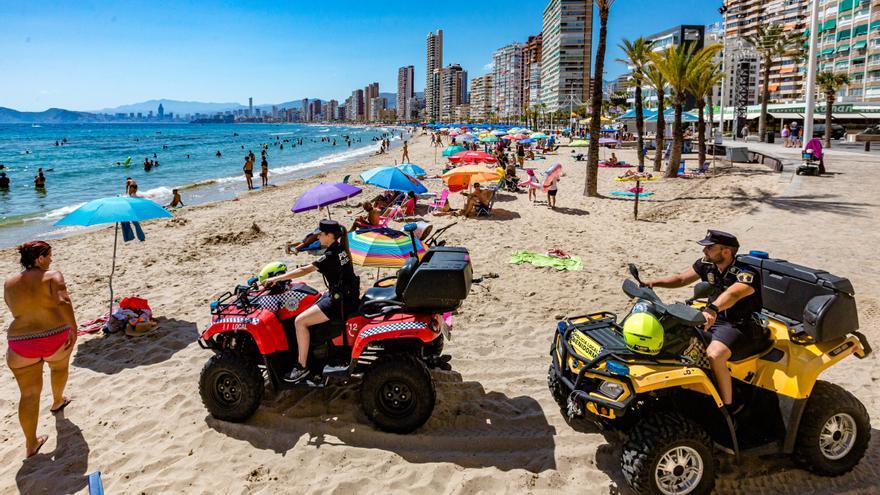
[[729, 312]]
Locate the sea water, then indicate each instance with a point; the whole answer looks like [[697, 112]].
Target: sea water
[[88, 166]]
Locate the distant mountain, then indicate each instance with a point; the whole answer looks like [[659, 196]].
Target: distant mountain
[[50, 116], [173, 106]]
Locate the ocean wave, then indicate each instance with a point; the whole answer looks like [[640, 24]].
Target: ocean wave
[[157, 193]]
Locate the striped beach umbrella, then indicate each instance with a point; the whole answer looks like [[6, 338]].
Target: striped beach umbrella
[[383, 247]]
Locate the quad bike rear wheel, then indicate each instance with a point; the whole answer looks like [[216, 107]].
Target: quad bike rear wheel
[[834, 432], [668, 454], [231, 387], [398, 393]]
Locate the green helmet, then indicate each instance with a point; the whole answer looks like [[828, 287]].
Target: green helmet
[[272, 269], [643, 333]]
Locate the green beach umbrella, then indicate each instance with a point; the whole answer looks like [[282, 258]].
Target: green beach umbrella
[[452, 150]]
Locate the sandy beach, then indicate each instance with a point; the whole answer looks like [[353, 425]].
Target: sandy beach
[[137, 416]]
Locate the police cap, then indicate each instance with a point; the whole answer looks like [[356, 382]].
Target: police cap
[[719, 237]]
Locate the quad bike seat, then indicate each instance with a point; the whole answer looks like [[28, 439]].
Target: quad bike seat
[[755, 347], [375, 296]]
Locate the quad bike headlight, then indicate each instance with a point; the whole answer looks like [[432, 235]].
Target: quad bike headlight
[[611, 390]]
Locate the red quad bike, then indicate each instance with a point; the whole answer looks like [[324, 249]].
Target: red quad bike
[[388, 344]]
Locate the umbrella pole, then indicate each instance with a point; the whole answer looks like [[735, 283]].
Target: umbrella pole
[[113, 266], [328, 213]]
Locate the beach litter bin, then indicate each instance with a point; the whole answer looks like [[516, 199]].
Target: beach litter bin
[[771, 137]]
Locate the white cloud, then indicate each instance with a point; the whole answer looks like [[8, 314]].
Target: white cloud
[[489, 67]]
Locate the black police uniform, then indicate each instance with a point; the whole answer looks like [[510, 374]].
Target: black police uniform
[[344, 286], [735, 326]]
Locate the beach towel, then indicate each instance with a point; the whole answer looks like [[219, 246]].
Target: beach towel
[[572, 263], [618, 165]]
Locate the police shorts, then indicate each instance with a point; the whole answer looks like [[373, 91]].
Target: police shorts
[[336, 308], [728, 334]]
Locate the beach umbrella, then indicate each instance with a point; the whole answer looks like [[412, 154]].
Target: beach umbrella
[[324, 194], [461, 178], [413, 170], [467, 137], [608, 141], [453, 149], [538, 135], [489, 139], [382, 247], [392, 178], [579, 143], [499, 132], [114, 210], [519, 135], [454, 133], [473, 157], [526, 141]]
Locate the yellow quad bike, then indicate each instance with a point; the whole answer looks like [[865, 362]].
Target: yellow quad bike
[[668, 407]]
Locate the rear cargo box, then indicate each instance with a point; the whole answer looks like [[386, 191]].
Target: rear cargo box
[[823, 302], [442, 280]]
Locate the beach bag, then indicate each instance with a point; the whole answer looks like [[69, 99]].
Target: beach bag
[[135, 303]]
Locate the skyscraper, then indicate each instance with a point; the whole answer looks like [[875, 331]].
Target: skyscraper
[[161, 112], [370, 91], [405, 93], [434, 64], [250, 107], [305, 110], [565, 52], [452, 78], [531, 73], [377, 105], [508, 63], [482, 91]]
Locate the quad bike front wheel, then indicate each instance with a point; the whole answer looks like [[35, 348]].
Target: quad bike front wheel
[[398, 393], [834, 432], [668, 454], [231, 387], [556, 389]]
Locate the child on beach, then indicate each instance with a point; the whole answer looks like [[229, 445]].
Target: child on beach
[[551, 192], [176, 202], [264, 171]]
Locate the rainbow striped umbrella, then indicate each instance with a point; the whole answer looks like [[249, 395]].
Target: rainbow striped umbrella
[[382, 247]]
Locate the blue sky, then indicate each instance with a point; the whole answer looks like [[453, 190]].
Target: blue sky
[[87, 55]]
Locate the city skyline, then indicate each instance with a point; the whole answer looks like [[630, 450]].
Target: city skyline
[[220, 62]]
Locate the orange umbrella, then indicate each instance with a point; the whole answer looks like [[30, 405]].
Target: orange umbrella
[[461, 178]]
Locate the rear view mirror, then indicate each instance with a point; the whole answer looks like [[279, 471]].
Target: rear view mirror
[[635, 273]]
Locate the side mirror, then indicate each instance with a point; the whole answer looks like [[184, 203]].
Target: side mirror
[[252, 281], [703, 290], [635, 273]]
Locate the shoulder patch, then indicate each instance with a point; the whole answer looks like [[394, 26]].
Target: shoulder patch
[[745, 277]]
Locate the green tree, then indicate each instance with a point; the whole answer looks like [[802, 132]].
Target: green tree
[[772, 42], [702, 79], [674, 63], [591, 188], [637, 58], [830, 83], [656, 80]]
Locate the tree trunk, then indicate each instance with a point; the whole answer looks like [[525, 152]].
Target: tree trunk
[[661, 132], [762, 120], [701, 130], [640, 124], [829, 101], [712, 121], [677, 137], [591, 188]]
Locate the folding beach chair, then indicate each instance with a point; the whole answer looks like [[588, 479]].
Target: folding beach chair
[[393, 213], [439, 203], [483, 210], [345, 179]]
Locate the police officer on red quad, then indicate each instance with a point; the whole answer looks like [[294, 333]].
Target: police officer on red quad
[[729, 313]]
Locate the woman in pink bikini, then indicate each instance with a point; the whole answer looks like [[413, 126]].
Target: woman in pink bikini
[[43, 329]]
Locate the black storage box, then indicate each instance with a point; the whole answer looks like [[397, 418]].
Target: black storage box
[[441, 281], [823, 302]]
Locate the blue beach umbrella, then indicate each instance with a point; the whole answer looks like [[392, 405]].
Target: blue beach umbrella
[[526, 141], [414, 170], [114, 210], [451, 150], [489, 139], [394, 179]]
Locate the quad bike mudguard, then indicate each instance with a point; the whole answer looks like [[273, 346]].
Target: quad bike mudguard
[[394, 326], [262, 325]]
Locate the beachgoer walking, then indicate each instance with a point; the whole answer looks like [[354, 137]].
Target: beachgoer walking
[[40, 180], [248, 171], [264, 171], [129, 185], [551, 192], [745, 133], [795, 135], [43, 329], [786, 133]]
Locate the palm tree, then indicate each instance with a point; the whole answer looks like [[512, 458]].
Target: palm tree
[[701, 81], [830, 83], [674, 63], [655, 79], [771, 41], [637, 57], [591, 188]]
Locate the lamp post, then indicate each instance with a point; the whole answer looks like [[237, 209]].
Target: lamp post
[[811, 73]]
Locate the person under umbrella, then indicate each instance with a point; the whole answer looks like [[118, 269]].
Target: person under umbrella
[[337, 304]]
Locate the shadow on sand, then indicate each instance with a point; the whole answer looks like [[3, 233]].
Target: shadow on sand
[[469, 427], [61, 471], [112, 353]]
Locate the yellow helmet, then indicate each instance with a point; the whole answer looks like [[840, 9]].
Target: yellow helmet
[[643, 333]]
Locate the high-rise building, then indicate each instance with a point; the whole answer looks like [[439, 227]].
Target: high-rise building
[[315, 111], [531, 72], [451, 82], [687, 35], [482, 92], [161, 112], [786, 82], [465, 98], [508, 80], [356, 112], [405, 93], [715, 36], [377, 105], [434, 64], [332, 110], [304, 108], [250, 107], [370, 91], [566, 49]]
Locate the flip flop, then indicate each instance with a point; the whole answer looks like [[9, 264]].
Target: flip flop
[[44, 438], [61, 407]]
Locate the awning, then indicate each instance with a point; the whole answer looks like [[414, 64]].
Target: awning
[[827, 51], [829, 25], [844, 35], [843, 48], [861, 30], [859, 45], [845, 5], [875, 25]]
